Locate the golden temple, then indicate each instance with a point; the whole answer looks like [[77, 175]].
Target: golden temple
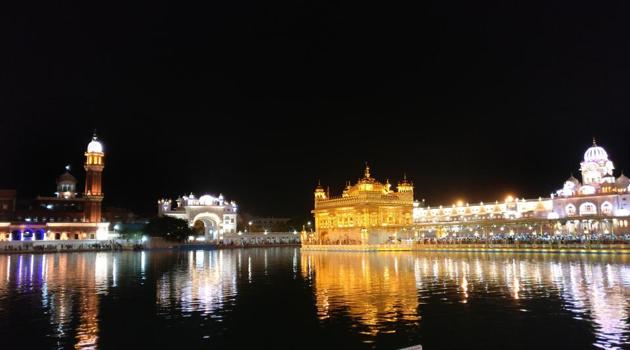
[[368, 212]]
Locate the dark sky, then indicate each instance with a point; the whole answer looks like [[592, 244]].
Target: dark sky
[[259, 99]]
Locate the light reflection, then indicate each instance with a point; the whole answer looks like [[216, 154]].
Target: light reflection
[[375, 290], [380, 289], [207, 283], [68, 285]]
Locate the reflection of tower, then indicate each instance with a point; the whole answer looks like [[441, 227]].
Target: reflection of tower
[[94, 164]]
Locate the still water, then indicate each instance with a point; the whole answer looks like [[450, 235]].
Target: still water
[[283, 298]]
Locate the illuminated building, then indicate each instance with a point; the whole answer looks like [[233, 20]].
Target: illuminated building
[[211, 216], [66, 215], [598, 204], [369, 212]]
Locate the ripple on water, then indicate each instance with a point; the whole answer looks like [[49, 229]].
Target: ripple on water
[[385, 300]]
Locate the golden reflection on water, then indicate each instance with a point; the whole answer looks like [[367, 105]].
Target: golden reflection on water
[[380, 293], [373, 289], [377, 289]]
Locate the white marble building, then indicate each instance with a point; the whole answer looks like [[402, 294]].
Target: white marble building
[[598, 204], [213, 215]]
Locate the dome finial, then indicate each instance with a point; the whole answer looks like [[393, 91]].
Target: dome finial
[[367, 170], [594, 142], [95, 146]]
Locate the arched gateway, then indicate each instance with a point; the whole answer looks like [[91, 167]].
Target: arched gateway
[[208, 224], [209, 216]]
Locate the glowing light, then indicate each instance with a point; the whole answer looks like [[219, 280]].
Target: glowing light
[[102, 233], [595, 153], [144, 239], [95, 146], [206, 200]]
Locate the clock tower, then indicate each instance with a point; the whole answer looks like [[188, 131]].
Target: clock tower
[[94, 165]]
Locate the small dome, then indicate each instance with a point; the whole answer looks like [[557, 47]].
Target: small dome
[[573, 180], [206, 200], [95, 146], [622, 181], [66, 178], [595, 153]]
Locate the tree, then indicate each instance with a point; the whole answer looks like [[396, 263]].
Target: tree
[[168, 228]]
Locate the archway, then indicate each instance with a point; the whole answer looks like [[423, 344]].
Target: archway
[[208, 224]]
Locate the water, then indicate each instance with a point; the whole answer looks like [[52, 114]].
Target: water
[[282, 298]]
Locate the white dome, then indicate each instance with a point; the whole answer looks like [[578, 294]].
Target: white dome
[[206, 200], [595, 153], [95, 146]]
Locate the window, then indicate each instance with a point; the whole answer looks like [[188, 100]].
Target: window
[[607, 208], [588, 209]]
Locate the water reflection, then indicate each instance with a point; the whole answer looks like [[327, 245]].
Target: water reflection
[[204, 283], [383, 291], [386, 300], [68, 286], [377, 291]]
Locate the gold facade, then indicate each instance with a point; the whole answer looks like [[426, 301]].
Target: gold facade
[[369, 212]]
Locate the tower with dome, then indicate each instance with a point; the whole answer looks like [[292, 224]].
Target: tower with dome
[[67, 215], [94, 165]]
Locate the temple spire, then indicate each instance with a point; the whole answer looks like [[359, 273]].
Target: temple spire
[[594, 142], [367, 170]]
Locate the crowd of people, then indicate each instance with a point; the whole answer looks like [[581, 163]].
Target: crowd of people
[[530, 238], [59, 246], [267, 241]]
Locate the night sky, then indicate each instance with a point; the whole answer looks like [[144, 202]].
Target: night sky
[[259, 99]]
